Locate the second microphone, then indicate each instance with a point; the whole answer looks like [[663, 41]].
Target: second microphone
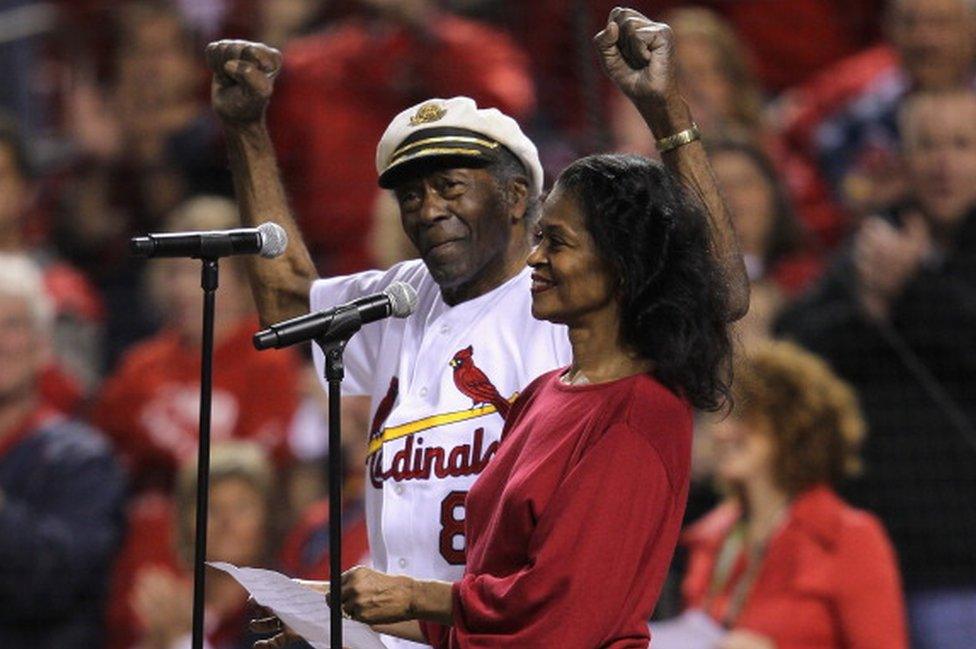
[[398, 300]]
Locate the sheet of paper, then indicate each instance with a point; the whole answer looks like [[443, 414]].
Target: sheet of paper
[[302, 609], [692, 629]]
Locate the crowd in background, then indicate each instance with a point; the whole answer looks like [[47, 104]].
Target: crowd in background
[[843, 134]]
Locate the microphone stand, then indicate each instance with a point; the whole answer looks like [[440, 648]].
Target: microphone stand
[[346, 323], [208, 282]]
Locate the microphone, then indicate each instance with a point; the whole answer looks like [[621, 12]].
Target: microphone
[[268, 240], [398, 300]]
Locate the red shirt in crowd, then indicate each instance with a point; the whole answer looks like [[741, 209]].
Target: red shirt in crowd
[[305, 551], [829, 578], [571, 527], [150, 407], [338, 91]]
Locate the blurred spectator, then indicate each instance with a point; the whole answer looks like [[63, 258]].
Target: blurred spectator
[[26, 92], [152, 591], [75, 365], [150, 406], [896, 316], [160, 135], [778, 259], [61, 490], [338, 90], [793, 40], [773, 242], [844, 121], [145, 139], [305, 551], [715, 73], [571, 119], [786, 563]]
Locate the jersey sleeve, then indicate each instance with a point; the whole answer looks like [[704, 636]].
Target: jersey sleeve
[[588, 557], [360, 354]]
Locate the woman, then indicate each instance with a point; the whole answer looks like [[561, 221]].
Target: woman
[[571, 527], [786, 563]]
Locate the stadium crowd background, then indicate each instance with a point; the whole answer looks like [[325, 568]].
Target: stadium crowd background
[[842, 132]]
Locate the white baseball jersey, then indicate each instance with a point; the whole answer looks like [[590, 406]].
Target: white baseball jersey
[[439, 381]]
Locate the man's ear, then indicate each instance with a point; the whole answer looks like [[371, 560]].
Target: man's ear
[[517, 196]]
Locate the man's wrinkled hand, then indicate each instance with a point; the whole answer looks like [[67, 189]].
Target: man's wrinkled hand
[[376, 598]]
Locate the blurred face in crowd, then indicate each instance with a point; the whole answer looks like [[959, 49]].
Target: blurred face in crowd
[[179, 298], [743, 447], [458, 219], [570, 281], [22, 348], [939, 135], [750, 197], [936, 40], [703, 78], [156, 49], [13, 189], [238, 522]]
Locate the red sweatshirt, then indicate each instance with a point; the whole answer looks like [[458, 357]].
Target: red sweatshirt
[[150, 406], [572, 525]]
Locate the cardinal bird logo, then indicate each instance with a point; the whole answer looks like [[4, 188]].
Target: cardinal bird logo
[[472, 382]]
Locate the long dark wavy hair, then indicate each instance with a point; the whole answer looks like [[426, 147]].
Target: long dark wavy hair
[[673, 294]]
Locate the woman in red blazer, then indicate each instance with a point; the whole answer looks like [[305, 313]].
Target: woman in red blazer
[[786, 564]]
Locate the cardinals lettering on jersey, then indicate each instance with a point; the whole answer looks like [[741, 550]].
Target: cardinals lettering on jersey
[[417, 462]]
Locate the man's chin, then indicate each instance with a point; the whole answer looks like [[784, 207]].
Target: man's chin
[[447, 274]]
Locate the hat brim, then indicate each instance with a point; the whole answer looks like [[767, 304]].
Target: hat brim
[[436, 148], [421, 165]]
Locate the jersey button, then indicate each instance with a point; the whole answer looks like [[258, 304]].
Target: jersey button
[[402, 562], [423, 392], [398, 489], [445, 328]]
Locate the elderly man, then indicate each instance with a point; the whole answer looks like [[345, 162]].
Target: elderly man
[[467, 181], [896, 318], [61, 490]]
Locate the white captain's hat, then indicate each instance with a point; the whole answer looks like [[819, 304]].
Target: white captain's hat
[[455, 130]]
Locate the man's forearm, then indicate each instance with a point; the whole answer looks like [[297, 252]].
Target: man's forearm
[[690, 163], [280, 286], [409, 630]]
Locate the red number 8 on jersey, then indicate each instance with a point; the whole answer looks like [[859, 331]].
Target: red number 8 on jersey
[[452, 528]]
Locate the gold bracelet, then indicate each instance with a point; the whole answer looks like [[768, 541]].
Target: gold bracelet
[[680, 138]]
